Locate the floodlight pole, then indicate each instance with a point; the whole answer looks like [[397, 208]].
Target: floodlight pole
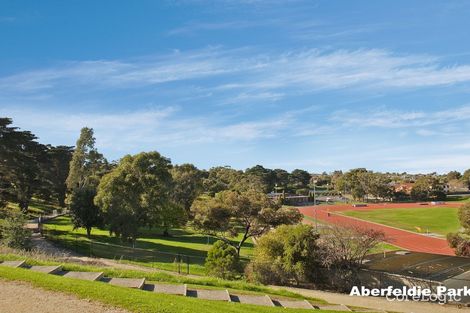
[[314, 205]]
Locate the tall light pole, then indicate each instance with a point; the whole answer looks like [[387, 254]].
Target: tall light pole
[[314, 205]]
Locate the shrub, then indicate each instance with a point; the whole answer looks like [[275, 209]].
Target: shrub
[[460, 243], [285, 255], [222, 261], [13, 231]]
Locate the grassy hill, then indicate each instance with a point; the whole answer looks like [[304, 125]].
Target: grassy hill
[[137, 300], [152, 248]]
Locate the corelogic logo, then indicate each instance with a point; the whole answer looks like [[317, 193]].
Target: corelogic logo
[[441, 294]]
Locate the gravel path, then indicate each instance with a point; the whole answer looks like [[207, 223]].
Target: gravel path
[[18, 297], [376, 303]]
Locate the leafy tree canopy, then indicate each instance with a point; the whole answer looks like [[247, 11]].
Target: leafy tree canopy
[[137, 193], [250, 213]]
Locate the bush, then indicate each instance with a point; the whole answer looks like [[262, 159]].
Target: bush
[[222, 261], [460, 243], [285, 255], [13, 231]]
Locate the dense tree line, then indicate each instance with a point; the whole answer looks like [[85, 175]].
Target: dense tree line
[[147, 190], [29, 168]]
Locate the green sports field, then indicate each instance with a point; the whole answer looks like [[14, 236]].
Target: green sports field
[[439, 220]]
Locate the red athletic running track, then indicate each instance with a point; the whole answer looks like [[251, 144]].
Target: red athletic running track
[[401, 238]]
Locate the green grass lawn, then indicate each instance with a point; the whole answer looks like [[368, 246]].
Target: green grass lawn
[[439, 220], [37, 208], [127, 298], [152, 249]]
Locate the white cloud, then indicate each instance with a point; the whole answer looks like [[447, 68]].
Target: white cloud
[[385, 118], [127, 131], [247, 73]]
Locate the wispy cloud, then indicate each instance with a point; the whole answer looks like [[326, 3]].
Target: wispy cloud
[[144, 129], [385, 118], [243, 73], [196, 27]]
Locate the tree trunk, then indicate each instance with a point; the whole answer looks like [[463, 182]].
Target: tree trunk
[[88, 232], [61, 200], [23, 206], [166, 233]]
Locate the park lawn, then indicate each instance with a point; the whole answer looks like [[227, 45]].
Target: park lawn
[[127, 298], [439, 220], [152, 249], [37, 208]]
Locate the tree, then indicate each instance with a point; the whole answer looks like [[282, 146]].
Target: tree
[[84, 211], [354, 182], [460, 241], [299, 179], [20, 160], [428, 187], [13, 233], [379, 186], [281, 178], [344, 250], [265, 175], [87, 163], [289, 253], [86, 168], [453, 175], [187, 185], [347, 247], [225, 178], [57, 171], [222, 261], [250, 213], [137, 193], [466, 178]]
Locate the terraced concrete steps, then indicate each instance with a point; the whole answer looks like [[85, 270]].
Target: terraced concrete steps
[[336, 307], [219, 295], [170, 289], [13, 263], [93, 276], [294, 304], [252, 299], [137, 283], [179, 289], [46, 269]]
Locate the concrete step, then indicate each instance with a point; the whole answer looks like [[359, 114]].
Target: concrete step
[[46, 269], [294, 304], [13, 263], [333, 307], [220, 295], [83, 275], [137, 283], [252, 299], [170, 289]]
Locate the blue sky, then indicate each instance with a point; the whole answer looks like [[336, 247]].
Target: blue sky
[[318, 85]]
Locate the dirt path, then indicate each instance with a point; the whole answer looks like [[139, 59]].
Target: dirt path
[[379, 304], [16, 297], [401, 238]]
